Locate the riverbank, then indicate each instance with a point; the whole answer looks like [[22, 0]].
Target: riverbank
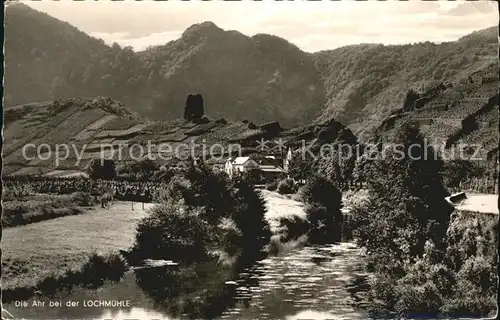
[[34, 252], [281, 206], [18, 211], [311, 282], [49, 249], [285, 279]]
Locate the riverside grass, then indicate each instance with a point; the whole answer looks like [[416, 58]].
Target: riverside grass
[[51, 248], [26, 209], [94, 272], [36, 251]]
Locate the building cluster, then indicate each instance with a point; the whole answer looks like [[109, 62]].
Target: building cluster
[[266, 168]]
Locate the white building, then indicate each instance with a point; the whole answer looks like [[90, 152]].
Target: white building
[[239, 165]]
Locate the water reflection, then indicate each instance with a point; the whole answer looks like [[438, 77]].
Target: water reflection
[[309, 283], [196, 291]]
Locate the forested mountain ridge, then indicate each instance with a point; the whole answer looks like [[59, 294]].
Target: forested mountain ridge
[[365, 83], [41, 53], [259, 78]]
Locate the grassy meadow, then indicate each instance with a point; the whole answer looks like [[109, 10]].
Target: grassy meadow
[[36, 251], [36, 208]]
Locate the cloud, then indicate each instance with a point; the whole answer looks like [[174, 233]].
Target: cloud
[[466, 8], [138, 43]]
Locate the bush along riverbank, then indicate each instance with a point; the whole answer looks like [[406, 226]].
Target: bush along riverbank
[[202, 219], [323, 220], [211, 227], [426, 260], [202, 214], [27, 208], [94, 273]]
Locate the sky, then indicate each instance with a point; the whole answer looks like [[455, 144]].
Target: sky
[[311, 25]]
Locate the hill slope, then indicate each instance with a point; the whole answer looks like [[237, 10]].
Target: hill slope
[[261, 78], [84, 129], [365, 83], [40, 53], [463, 113]]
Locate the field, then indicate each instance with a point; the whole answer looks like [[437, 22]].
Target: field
[[32, 252], [39, 208], [38, 250]]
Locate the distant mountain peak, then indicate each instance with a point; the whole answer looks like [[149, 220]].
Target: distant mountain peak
[[206, 29]]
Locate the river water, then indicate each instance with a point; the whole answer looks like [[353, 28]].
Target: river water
[[306, 283]]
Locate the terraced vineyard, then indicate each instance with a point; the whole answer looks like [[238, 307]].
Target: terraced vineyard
[[119, 123], [88, 126], [464, 112], [224, 133], [440, 130], [98, 126]]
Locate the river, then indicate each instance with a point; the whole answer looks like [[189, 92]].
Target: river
[[318, 282], [306, 283]]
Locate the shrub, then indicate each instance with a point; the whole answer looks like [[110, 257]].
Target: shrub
[[252, 126], [91, 272], [115, 267], [356, 198], [17, 213], [49, 285], [323, 210], [173, 231], [202, 120], [100, 268], [272, 186], [202, 212], [252, 176], [105, 170], [323, 227], [457, 171], [382, 294], [286, 186], [96, 270], [83, 199], [294, 227], [301, 168], [457, 281], [17, 191], [249, 216], [417, 301], [221, 121]]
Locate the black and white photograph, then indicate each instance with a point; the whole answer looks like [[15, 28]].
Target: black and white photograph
[[291, 160]]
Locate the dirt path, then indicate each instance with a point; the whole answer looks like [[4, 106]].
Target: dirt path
[[477, 202], [279, 206], [30, 252]]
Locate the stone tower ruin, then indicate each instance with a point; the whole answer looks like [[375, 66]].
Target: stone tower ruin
[[194, 107]]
